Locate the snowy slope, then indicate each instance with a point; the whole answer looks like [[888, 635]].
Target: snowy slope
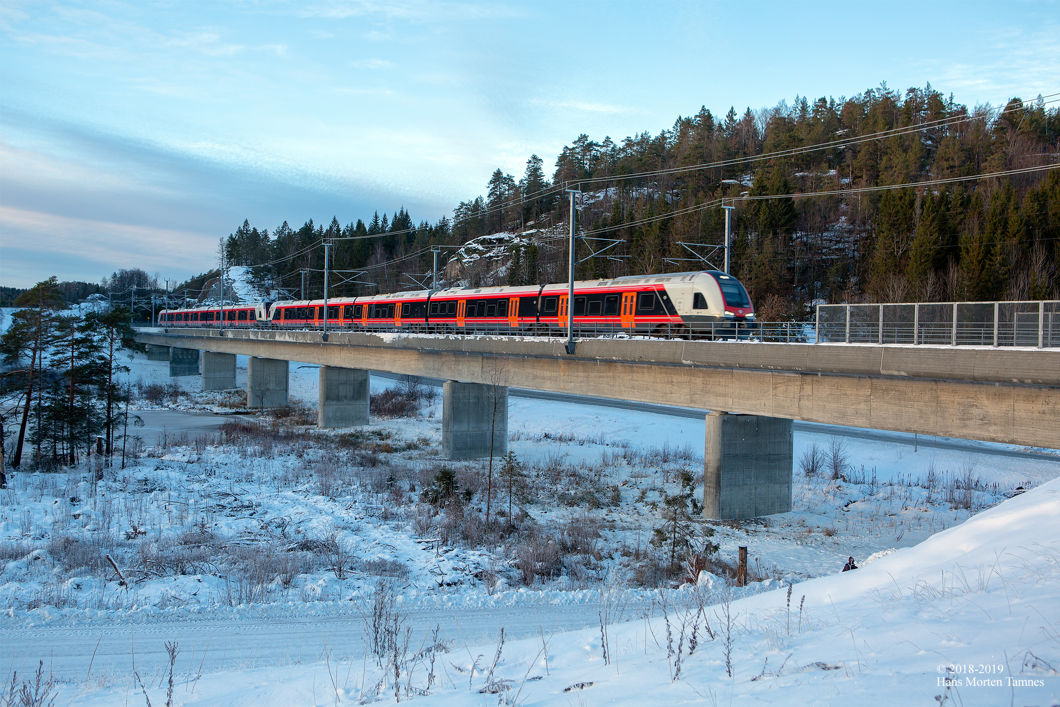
[[969, 617]]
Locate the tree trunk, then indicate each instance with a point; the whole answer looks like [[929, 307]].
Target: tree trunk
[[3, 474], [16, 461]]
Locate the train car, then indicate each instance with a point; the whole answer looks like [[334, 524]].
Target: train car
[[693, 304], [711, 303], [341, 312], [485, 309], [405, 311], [242, 315], [631, 304]]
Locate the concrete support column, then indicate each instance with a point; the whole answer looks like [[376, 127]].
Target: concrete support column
[[218, 371], [469, 412], [157, 353], [344, 395], [183, 362], [747, 466], [266, 383]]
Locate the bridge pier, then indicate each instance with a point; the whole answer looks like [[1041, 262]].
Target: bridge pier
[[157, 353], [747, 466], [218, 371], [266, 383], [344, 395], [469, 412], [183, 362]]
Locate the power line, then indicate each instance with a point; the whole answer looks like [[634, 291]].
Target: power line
[[828, 192]]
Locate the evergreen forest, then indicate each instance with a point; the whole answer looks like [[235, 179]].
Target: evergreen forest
[[883, 196]]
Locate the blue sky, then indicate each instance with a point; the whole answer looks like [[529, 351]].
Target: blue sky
[[136, 134]]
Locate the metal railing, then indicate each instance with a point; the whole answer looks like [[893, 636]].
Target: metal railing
[[1031, 324], [1034, 324]]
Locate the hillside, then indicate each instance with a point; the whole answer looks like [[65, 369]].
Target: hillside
[[856, 235]]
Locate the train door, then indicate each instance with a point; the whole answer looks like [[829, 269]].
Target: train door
[[562, 314], [513, 312], [364, 314], [629, 303], [397, 314], [461, 312]]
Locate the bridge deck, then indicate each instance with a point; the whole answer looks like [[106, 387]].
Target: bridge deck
[[1004, 395]]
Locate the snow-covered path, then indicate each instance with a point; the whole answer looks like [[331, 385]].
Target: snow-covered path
[[111, 647]]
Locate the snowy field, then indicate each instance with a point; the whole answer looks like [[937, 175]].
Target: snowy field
[[271, 562]]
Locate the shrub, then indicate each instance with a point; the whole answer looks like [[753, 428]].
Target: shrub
[[538, 556], [837, 459], [396, 403], [813, 461]]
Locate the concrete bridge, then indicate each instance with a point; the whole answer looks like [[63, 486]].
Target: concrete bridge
[[754, 390]]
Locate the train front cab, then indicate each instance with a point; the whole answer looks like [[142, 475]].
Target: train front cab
[[720, 307]]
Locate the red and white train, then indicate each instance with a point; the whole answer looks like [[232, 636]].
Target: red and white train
[[707, 303]]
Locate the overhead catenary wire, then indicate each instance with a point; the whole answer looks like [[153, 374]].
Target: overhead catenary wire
[[826, 192]]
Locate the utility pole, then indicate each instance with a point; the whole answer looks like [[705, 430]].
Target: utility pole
[[570, 277], [222, 285], [327, 245], [728, 209], [303, 284], [434, 270]]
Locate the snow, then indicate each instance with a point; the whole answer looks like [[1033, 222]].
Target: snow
[[959, 547]]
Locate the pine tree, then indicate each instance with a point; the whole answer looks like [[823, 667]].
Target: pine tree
[[679, 512], [26, 342]]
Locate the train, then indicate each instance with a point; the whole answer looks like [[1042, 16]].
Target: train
[[702, 304]]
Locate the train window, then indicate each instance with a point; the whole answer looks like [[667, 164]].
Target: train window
[[645, 302], [595, 306], [242, 316], [610, 305], [699, 301], [549, 305], [333, 312], [491, 309], [434, 308], [733, 292], [406, 309], [579, 306], [668, 306]]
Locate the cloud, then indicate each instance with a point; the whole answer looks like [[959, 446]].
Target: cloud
[[371, 64], [583, 106], [1007, 64], [415, 10], [109, 244]]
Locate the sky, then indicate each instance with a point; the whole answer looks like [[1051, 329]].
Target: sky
[[138, 133]]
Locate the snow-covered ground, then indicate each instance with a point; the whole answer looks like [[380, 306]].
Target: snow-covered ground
[[320, 517]]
